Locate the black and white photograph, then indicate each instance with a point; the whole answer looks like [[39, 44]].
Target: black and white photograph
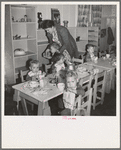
[[60, 74]]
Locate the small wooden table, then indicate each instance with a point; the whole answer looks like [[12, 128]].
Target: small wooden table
[[39, 99], [42, 99], [110, 78]]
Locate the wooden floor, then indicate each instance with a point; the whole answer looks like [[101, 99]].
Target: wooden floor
[[107, 109]]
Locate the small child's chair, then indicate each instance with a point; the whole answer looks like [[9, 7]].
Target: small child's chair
[[99, 89], [82, 107], [47, 66], [86, 82]]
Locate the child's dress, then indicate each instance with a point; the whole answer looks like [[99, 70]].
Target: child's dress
[[69, 99]]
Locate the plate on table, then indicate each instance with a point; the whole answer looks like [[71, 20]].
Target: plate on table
[[31, 85], [81, 69]]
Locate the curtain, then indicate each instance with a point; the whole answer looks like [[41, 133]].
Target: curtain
[[83, 15], [89, 15]]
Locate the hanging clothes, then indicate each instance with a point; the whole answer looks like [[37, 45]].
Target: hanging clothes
[[110, 36]]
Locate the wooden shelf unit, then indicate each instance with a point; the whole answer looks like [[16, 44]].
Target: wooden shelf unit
[[33, 40], [86, 34], [25, 31]]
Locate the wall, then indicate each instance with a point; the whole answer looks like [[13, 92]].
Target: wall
[[67, 12]]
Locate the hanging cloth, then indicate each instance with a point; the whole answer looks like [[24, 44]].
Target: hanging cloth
[[110, 36]]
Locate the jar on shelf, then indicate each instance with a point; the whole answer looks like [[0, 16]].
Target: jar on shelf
[[65, 23]]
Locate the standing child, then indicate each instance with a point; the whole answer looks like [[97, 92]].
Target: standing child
[[91, 53], [35, 73], [54, 48], [73, 90]]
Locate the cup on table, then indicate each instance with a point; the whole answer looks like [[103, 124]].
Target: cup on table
[[96, 60], [107, 55], [61, 86]]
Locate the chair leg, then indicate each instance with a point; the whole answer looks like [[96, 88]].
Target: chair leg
[[94, 101], [17, 106], [102, 98]]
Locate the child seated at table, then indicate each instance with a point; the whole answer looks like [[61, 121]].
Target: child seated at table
[[34, 73], [91, 53], [58, 66], [72, 91]]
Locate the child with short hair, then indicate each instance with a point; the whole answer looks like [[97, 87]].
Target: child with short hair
[[58, 67], [35, 73], [72, 90], [53, 48], [91, 54]]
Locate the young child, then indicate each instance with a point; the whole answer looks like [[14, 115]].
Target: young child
[[73, 90], [54, 48], [58, 67], [57, 62], [35, 73], [91, 53]]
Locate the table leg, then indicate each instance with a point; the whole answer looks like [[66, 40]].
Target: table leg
[[108, 82], [44, 109], [40, 108], [16, 98], [113, 80], [23, 101]]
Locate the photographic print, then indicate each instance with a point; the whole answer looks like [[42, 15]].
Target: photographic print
[[60, 74]]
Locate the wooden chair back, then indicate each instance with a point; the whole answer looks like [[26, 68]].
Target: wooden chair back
[[86, 82], [83, 104], [99, 87], [47, 66], [23, 73], [76, 60]]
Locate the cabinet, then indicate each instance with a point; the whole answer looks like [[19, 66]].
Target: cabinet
[[20, 33], [86, 34]]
